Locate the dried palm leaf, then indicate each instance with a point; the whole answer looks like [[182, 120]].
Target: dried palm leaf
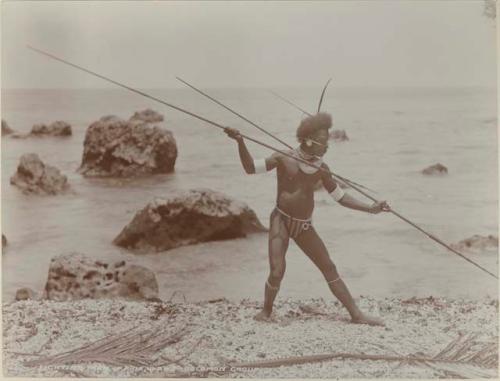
[[133, 347], [178, 360], [464, 357]]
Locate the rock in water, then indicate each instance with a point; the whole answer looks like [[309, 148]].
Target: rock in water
[[117, 148], [477, 243], [338, 135], [57, 128], [148, 116], [6, 130], [75, 276], [186, 218], [436, 169], [34, 177]]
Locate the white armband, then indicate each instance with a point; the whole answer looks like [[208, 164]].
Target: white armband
[[260, 165], [338, 193]]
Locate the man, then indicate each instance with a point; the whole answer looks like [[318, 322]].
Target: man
[[291, 217]]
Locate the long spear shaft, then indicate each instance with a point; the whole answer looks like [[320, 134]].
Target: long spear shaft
[[187, 112], [392, 210], [215, 124], [290, 103], [342, 179], [257, 142], [234, 112]]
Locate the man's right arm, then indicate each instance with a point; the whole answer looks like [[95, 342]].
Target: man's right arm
[[245, 157], [251, 166]]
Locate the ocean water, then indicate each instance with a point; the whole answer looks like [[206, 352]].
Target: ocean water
[[394, 133]]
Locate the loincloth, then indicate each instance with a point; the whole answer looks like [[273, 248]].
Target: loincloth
[[295, 226]]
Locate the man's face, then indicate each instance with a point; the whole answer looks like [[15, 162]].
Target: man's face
[[319, 142]]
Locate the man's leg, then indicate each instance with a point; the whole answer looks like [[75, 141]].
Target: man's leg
[[278, 245], [312, 245]]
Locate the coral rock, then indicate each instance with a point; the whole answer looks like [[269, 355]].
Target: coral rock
[[436, 169], [34, 177], [186, 218], [338, 135], [477, 243], [57, 128], [6, 130], [117, 148], [148, 116], [75, 276], [25, 294]]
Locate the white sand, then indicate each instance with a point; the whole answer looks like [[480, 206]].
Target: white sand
[[230, 334]]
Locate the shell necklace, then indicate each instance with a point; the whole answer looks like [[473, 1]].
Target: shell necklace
[[313, 159]]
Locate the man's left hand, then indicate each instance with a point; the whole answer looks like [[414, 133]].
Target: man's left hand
[[380, 206]]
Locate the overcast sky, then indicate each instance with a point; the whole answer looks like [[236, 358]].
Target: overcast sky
[[262, 44]]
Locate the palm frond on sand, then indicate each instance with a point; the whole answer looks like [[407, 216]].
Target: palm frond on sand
[[464, 357], [135, 347]]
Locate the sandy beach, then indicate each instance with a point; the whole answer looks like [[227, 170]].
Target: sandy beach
[[211, 338]]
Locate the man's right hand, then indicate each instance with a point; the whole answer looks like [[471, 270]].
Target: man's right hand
[[233, 133]]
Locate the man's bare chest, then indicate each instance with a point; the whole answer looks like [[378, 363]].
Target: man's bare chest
[[291, 175]]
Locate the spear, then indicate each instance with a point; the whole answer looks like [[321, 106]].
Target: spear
[[290, 103], [347, 182], [215, 124], [234, 112], [336, 175], [297, 107]]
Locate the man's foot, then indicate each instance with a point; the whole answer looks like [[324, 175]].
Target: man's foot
[[366, 319], [263, 316]]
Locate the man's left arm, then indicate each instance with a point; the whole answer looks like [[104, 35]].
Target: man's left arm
[[344, 199]]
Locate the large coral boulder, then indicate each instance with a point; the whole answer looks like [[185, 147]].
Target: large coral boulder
[[57, 128], [34, 177], [117, 148], [338, 135], [76, 276], [436, 169], [148, 116], [477, 243], [186, 218], [6, 130]]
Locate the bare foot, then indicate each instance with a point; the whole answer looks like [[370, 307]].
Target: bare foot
[[366, 319], [263, 316]]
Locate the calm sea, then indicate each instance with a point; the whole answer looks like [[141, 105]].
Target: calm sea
[[394, 133]]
